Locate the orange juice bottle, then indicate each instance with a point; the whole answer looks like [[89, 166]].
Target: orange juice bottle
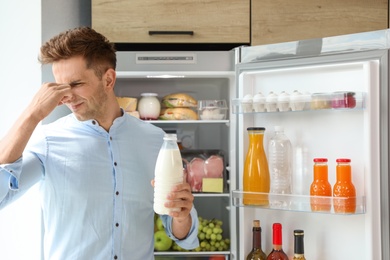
[[256, 176], [344, 192], [320, 186]]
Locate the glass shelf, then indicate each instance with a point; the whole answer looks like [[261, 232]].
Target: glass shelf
[[161, 122], [301, 203], [202, 253]]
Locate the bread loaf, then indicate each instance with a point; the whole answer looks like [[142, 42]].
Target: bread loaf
[[178, 113], [179, 100]]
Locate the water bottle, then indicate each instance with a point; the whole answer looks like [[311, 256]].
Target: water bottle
[[280, 167], [167, 174]]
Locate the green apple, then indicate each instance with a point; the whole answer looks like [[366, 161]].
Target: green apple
[[161, 241], [159, 224]]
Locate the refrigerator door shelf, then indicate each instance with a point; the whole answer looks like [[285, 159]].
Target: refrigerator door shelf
[[293, 202], [341, 100]]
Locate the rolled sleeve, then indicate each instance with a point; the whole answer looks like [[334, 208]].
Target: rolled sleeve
[[9, 177], [191, 241]]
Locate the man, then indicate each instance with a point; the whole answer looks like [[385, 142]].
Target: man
[[95, 165]]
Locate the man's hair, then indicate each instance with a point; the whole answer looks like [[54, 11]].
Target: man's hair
[[97, 51]]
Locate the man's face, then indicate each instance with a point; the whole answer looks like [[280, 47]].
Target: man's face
[[88, 96]]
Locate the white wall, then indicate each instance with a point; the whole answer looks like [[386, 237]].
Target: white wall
[[20, 30]]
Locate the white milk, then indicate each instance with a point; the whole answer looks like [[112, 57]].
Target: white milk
[[168, 173]]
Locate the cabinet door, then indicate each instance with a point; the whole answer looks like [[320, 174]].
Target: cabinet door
[[281, 21], [173, 21]]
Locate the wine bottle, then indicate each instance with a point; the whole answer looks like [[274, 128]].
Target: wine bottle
[[277, 252], [299, 253], [256, 252]]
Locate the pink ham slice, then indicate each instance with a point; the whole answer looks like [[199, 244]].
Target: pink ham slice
[[213, 167], [195, 173]]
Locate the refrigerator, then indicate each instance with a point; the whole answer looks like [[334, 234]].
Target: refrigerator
[[356, 63]]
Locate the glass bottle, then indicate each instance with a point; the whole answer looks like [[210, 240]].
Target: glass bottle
[[277, 252], [299, 253], [256, 176], [149, 106], [344, 188], [320, 186], [256, 252], [168, 173]]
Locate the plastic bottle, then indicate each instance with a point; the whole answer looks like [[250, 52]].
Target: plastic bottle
[[168, 173], [320, 186], [280, 166], [344, 188], [256, 176]]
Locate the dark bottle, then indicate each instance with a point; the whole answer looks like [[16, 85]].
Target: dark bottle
[[277, 252], [299, 253], [256, 253]]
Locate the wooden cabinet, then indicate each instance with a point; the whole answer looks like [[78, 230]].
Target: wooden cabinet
[[280, 21], [173, 21]]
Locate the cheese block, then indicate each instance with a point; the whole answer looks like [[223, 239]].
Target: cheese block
[[129, 104]]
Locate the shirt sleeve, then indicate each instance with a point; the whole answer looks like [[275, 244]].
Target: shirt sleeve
[[17, 177], [191, 241]]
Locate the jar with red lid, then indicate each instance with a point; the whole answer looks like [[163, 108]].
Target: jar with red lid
[[343, 99], [320, 188], [344, 192]]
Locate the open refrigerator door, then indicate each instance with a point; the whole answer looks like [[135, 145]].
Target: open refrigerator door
[[342, 112]]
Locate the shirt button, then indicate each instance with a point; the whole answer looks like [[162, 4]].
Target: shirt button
[[117, 224], [117, 193], [93, 122], [115, 257], [115, 164], [111, 138]]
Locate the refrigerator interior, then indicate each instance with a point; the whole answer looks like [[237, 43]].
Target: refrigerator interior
[[330, 133], [212, 81]]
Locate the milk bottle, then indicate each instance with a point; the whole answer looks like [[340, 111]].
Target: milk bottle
[[168, 173]]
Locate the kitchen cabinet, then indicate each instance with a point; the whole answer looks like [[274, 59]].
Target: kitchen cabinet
[[204, 76], [283, 21], [174, 21]]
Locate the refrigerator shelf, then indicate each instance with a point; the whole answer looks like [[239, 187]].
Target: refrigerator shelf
[[197, 254], [342, 100], [161, 122], [300, 203]]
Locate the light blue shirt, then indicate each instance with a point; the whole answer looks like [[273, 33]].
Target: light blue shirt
[[96, 196]]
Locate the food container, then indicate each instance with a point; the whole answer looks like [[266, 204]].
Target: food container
[[247, 103], [205, 170], [259, 102], [283, 102], [149, 106], [297, 101], [212, 109], [320, 101], [343, 99], [271, 102]]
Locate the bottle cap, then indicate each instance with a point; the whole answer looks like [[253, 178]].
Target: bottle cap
[[279, 128], [277, 233], [298, 232], [172, 137], [255, 128], [343, 160], [149, 94], [320, 160], [256, 223]]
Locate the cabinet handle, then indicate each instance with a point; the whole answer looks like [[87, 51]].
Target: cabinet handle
[[171, 32]]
